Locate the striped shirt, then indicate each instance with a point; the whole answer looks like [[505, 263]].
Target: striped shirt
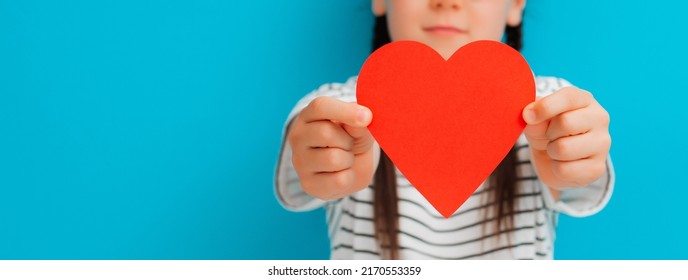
[[423, 232]]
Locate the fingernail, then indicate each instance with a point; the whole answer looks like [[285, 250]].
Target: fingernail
[[529, 116], [363, 115]]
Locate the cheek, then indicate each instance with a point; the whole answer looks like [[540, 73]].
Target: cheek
[[402, 26], [404, 18], [488, 22], [488, 29]]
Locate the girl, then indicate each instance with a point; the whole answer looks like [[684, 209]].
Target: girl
[[559, 164]]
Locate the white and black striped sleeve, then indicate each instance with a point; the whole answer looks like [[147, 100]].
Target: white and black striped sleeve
[[585, 201], [288, 188]]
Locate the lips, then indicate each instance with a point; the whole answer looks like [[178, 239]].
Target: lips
[[444, 30]]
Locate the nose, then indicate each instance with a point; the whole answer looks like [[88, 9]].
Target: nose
[[445, 4]]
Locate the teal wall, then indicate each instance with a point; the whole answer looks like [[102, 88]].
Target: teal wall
[[150, 129]]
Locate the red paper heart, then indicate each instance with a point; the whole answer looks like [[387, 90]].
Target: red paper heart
[[446, 125]]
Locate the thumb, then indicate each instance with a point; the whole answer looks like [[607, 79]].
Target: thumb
[[535, 133], [328, 108], [529, 113]]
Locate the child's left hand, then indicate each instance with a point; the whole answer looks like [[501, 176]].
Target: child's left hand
[[568, 132]]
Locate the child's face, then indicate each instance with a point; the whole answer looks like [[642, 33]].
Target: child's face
[[446, 25]]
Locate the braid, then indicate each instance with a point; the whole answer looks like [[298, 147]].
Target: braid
[[514, 36], [386, 209], [380, 32]]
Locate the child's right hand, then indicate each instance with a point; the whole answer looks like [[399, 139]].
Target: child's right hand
[[333, 152]]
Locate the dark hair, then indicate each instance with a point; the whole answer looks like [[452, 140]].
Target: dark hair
[[502, 181]]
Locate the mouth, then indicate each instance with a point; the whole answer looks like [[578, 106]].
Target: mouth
[[444, 30]]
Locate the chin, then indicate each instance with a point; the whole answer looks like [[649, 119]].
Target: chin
[[447, 51]]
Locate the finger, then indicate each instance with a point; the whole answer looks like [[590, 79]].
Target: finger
[[326, 134], [537, 135], [335, 184], [328, 108], [579, 146], [570, 123], [363, 139], [566, 99], [321, 160], [580, 172]]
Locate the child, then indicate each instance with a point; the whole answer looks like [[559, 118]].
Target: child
[[559, 164]]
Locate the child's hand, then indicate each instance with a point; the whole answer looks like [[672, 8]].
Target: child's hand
[[334, 154], [568, 132]]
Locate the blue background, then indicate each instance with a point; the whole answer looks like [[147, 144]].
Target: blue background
[[150, 129]]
